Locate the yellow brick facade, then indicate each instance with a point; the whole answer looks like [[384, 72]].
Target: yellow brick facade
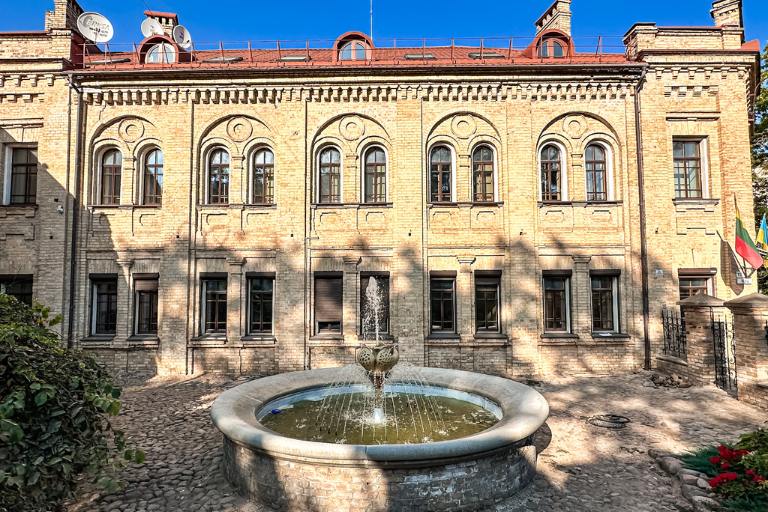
[[676, 83]]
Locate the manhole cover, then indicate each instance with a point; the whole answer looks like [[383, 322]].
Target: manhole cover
[[608, 421]]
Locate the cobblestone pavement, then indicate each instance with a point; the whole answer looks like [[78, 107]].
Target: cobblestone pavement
[[582, 467]]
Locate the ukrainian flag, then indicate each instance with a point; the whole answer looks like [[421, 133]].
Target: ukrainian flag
[[761, 240]]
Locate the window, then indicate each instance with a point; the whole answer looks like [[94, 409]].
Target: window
[[330, 176], [487, 303], [145, 289], [442, 293], [328, 304], [551, 173], [370, 309], [353, 50], [104, 305], [218, 177], [690, 286], [441, 174], [557, 302], [687, 157], [161, 53], [153, 178], [214, 305], [19, 286], [551, 47], [111, 171], [263, 176], [375, 175], [596, 167], [482, 171], [605, 311], [261, 293], [23, 175]]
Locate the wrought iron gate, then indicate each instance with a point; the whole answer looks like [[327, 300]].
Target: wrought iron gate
[[725, 353], [674, 333]]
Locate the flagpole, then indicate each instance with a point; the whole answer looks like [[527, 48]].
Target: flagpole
[[371, 20]]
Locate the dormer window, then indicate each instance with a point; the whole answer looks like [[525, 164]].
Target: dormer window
[[353, 50], [552, 47], [161, 53]]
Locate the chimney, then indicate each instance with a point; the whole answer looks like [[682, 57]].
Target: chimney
[[557, 17], [727, 13], [167, 20], [63, 16]]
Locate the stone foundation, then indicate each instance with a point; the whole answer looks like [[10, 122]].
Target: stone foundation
[[469, 484]]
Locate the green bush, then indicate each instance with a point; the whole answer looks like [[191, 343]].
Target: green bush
[[55, 405], [739, 474]]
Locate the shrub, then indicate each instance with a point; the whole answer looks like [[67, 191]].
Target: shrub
[[739, 473], [55, 405]]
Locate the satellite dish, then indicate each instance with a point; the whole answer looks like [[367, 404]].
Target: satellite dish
[[182, 36], [151, 27], [95, 27]]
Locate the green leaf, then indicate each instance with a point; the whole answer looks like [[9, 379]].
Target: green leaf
[[41, 398]]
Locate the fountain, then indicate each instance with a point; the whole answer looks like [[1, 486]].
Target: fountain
[[379, 435]]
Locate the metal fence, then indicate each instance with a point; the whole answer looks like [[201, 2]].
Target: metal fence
[[674, 333], [724, 352]]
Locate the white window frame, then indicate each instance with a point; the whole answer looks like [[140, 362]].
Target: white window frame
[[317, 173], [614, 299], [374, 145], [609, 173], [454, 164], [495, 169], [142, 167], [564, 195], [8, 168], [366, 50], [207, 177], [252, 165], [162, 48], [703, 142], [567, 291]]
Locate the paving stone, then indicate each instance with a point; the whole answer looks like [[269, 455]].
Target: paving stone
[[581, 467]]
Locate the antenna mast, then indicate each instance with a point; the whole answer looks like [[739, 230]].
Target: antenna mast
[[371, 20]]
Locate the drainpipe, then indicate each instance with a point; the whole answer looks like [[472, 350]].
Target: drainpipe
[[643, 239], [75, 213]]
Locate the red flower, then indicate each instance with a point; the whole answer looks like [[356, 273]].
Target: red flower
[[714, 459], [758, 479], [750, 472], [725, 465], [722, 478], [724, 451]]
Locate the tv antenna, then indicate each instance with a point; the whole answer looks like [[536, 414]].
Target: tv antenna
[[182, 37], [151, 27], [371, 34], [95, 27]]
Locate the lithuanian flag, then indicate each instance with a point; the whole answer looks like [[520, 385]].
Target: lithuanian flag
[[745, 247]]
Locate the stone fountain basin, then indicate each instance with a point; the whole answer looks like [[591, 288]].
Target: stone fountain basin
[[293, 474]]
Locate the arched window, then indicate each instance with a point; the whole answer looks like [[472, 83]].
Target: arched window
[[441, 174], [596, 166], [161, 53], [353, 50], [375, 180], [551, 47], [153, 178], [330, 176], [482, 173], [263, 177], [551, 174], [218, 177], [111, 171]]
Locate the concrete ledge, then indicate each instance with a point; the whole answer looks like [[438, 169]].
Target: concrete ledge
[[234, 413]]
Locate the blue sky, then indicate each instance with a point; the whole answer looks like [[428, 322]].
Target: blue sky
[[239, 20]]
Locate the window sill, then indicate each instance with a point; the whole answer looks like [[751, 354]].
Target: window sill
[[442, 336], [387, 204], [104, 206], [555, 203], [383, 336], [99, 337], [610, 336], [491, 336], [260, 339], [210, 337], [610, 202], [333, 205], [21, 206], [336, 336], [688, 201], [147, 206], [559, 336], [259, 206]]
